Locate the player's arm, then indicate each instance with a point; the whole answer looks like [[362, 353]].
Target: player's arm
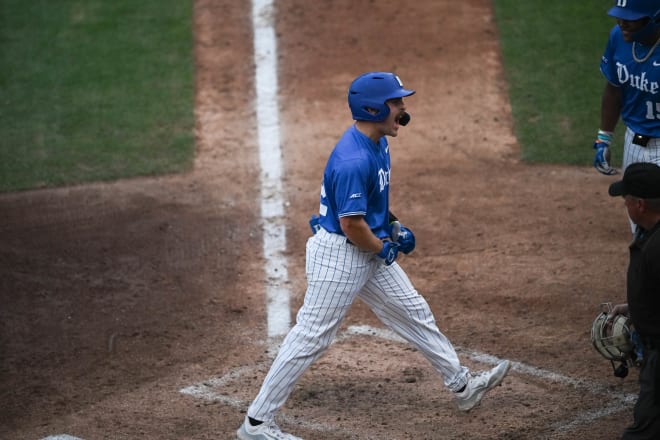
[[610, 110], [357, 230], [610, 107]]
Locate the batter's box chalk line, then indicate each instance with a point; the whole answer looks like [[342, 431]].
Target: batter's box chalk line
[[61, 437], [211, 389]]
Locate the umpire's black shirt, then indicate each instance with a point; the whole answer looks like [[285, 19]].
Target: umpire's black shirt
[[644, 282]]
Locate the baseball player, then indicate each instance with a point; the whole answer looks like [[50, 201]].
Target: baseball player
[[631, 66], [353, 255]]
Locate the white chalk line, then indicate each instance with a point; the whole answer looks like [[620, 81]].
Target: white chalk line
[[61, 437], [270, 160], [208, 389]]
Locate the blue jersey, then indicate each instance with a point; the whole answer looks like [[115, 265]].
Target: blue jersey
[[639, 82], [356, 181]]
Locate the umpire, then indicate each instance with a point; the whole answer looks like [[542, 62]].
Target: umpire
[[640, 188]]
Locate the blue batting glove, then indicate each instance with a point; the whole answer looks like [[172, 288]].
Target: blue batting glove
[[406, 240], [389, 252], [403, 236], [602, 157]]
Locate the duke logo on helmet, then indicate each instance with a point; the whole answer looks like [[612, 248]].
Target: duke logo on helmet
[[369, 92]]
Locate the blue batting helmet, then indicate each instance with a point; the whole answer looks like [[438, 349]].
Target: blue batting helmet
[[633, 10], [370, 91]]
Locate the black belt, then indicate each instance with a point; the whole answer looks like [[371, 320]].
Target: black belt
[[641, 140]]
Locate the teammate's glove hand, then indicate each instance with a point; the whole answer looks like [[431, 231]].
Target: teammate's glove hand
[[403, 236], [602, 157], [389, 252]]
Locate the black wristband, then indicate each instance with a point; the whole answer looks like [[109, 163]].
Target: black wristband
[[393, 218]]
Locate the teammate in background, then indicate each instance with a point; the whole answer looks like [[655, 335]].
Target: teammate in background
[[640, 189], [631, 66], [353, 255]]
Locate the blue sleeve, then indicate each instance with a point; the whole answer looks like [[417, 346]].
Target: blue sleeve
[[350, 188], [607, 64]]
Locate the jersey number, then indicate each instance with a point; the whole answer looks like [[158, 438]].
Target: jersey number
[[650, 113]]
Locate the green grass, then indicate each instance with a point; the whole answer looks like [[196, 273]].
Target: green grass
[[551, 52], [94, 90]]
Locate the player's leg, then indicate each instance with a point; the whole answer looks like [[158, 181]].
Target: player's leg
[[632, 153], [336, 271], [653, 151], [392, 297]]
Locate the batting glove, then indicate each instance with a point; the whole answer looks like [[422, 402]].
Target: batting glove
[[389, 252], [403, 236], [602, 157]]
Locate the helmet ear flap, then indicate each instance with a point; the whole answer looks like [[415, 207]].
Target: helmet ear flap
[[366, 108]]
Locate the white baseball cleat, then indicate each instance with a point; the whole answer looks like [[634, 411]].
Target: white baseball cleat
[[477, 385], [265, 431]]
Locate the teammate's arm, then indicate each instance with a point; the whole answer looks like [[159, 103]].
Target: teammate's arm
[[356, 229], [610, 110], [610, 107]]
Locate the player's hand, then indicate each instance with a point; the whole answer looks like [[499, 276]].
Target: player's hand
[[403, 236], [389, 252], [314, 223], [602, 160], [603, 156], [619, 309]]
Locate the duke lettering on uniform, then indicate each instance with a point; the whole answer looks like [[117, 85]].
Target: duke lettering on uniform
[[639, 82], [383, 178]]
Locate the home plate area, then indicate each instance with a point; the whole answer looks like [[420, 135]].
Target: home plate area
[[372, 384]]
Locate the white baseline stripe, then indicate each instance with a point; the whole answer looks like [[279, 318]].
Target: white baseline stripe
[[208, 390], [61, 437], [493, 360], [272, 205], [617, 401]]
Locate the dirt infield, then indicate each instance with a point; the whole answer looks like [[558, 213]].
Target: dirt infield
[[136, 309]]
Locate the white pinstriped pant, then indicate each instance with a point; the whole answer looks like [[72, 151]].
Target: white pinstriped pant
[[636, 153], [337, 273], [633, 153]]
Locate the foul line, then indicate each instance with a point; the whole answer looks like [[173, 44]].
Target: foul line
[[272, 205], [61, 437]]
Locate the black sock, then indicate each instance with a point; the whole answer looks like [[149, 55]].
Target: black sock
[[254, 422], [461, 390]]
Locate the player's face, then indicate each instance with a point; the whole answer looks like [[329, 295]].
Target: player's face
[[628, 28], [390, 126]]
